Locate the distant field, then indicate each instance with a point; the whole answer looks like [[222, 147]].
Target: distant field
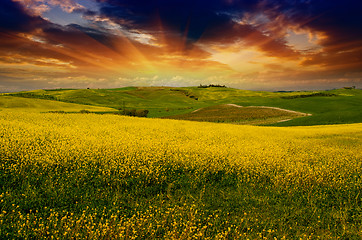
[[11, 103], [238, 114], [339, 106], [88, 176]]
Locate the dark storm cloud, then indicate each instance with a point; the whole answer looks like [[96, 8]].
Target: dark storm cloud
[[340, 20], [188, 17], [96, 34], [207, 22], [14, 18], [341, 24]]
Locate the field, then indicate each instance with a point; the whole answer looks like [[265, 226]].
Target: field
[[231, 113], [338, 106], [89, 176], [20, 104]]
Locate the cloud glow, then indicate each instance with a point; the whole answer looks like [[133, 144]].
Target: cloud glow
[[245, 44]]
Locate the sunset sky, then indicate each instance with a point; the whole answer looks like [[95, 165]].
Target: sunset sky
[[252, 44]]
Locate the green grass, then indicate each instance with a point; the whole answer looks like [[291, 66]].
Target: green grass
[[339, 106], [11, 103]]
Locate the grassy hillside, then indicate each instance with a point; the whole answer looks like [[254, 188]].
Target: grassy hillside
[[326, 107], [86, 176], [158, 100], [11, 103]]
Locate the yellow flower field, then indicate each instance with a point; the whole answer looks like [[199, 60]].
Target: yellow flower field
[[111, 177]]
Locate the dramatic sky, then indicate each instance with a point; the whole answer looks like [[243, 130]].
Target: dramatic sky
[[247, 44]]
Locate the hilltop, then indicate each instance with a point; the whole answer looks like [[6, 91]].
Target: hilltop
[[325, 107]]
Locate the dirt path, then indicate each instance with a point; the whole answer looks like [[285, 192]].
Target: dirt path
[[230, 104], [284, 120], [234, 105], [281, 109], [196, 110]]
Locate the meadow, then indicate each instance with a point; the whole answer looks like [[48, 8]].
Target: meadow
[[20, 104], [89, 176], [339, 106]]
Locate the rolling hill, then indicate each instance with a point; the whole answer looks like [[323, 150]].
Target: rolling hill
[[91, 176], [12, 103], [338, 106]]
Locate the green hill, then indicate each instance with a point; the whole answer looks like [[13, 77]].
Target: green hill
[[12, 103], [327, 107]]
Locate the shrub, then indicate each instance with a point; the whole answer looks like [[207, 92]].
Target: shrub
[[135, 113], [142, 113], [193, 97], [211, 85], [33, 95], [318, 94], [84, 111], [56, 112]]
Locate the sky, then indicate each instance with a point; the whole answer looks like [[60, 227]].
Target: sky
[[248, 44]]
